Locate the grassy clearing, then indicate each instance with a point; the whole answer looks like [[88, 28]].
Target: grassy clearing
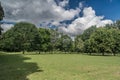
[[59, 67]]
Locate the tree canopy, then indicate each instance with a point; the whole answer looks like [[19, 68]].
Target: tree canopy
[[19, 37], [1, 18], [24, 36], [1, 12]]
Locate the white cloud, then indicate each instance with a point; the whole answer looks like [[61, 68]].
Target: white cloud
[[6, 27], [81, 5], [88, 19], [37, 11], [64, 3]]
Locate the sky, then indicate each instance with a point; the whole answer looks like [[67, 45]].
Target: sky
[[71, 17]]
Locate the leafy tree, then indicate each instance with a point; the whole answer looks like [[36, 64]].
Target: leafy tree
[[110, 26], [90, 46], [79, 44], [102, 41], [117, 24], [54, 39], [65, 43], [1, 18], [43, 40], [116, 36], [20, 37], [87, 33], [37, 42]]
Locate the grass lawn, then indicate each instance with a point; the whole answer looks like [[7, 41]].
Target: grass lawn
[[59, 67]]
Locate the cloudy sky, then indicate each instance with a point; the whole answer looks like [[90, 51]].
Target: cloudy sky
[[70, 16]]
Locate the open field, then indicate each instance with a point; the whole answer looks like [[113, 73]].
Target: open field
[[59, 67]]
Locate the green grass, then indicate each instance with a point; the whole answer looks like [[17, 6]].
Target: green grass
[[59, 67]]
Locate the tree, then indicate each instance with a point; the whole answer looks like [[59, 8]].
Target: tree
[[54, 39], [1, 18], [65, 43], [87, 33], [20, 37], [116, 36], [79, 44], [42, 40], [117, 24], [101, 41]]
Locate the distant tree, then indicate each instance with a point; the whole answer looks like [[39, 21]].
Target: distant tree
[[101, 41], [37, 43], [90, 46], [110, 26], [1, 29], [79, 44], [45, 39], [87, 33], [65, 43], [19, 37], [55, 35], [116, 36], [117, 24]]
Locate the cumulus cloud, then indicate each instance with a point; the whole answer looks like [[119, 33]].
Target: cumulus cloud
[[64, 3], [88, 19], [37, 11], [6, 27]]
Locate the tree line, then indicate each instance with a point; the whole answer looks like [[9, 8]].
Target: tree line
[[24, 36]]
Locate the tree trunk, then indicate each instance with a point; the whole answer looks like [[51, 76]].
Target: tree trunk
[[23, 51], [39, 52], [114, 54], [103, 54], [90, 53]]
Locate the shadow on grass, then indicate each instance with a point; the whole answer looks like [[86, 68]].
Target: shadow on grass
[[14, 67]]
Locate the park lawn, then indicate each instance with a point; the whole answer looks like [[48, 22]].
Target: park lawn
[[16, 66]]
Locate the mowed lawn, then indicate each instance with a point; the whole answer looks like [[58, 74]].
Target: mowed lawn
[[58, 67]]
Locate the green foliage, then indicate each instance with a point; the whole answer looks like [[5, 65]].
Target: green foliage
[[27, 37], [19, 37], [103, 41], [79, 44], [64, 43], [87, 33], [45, 39], [54, 39], [1, 18], [117, 24], [116, 36]]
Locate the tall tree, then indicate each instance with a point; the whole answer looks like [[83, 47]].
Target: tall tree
[[117, 24], [116, 36], [79, 44], [20, 37], [55, 35], [1, 18], [42, 40], [87, 33], [65, 43], [102, 41]]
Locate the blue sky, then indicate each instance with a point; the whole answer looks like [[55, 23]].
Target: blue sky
[[109, 8]]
